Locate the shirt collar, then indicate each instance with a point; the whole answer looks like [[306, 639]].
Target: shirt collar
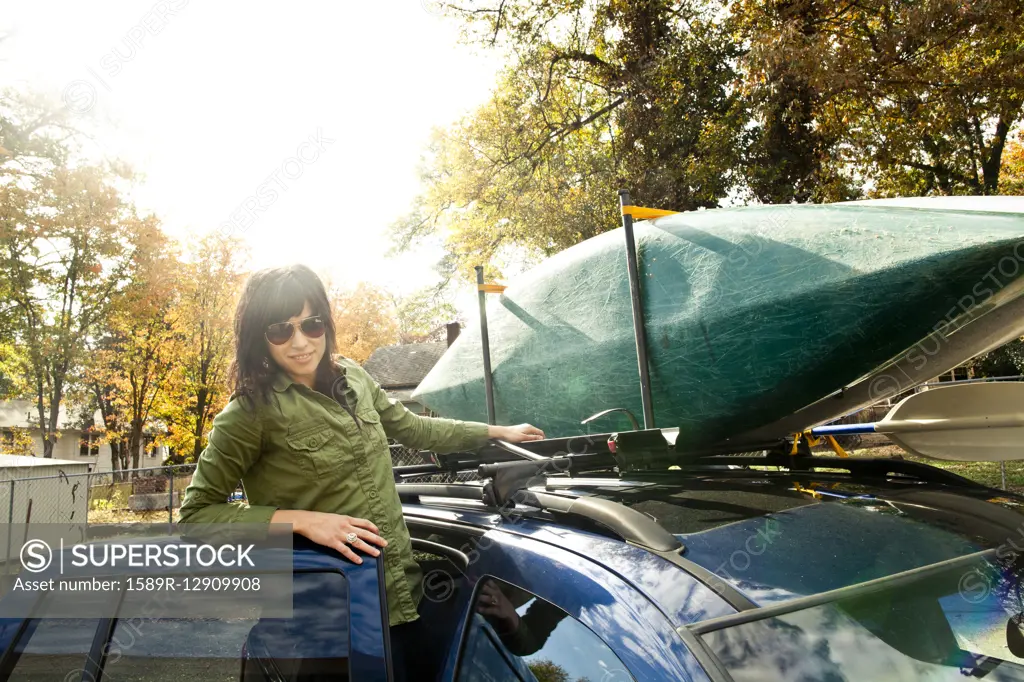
[[282, 381]]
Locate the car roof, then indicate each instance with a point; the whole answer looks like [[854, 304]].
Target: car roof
[[759, 538]]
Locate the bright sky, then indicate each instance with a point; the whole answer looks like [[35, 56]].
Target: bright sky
[[211, 100]]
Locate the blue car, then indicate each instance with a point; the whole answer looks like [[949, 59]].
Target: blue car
[[573, 568]]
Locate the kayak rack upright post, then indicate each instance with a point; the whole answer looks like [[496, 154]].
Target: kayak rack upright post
[[639, 332], [482, 291], [629, 212]]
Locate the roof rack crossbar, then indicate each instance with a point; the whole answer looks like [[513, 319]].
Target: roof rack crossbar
[[630, 525], [516, 450]]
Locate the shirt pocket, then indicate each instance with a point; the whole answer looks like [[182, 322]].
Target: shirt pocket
[[315, 441], [374, 430]]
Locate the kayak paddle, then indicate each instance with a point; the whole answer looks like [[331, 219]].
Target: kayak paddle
[[979, 422]]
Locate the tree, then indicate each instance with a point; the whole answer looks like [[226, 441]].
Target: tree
[[1007, 360], [694, 102], [21, 443], [140, 344], [548, 671], [598, 96], [32, 138], [13, 370], [97, 389], [787, 153], [208, 291], [1012, 176], [914, 98], [364, 319], [423, 316], [69, 245]]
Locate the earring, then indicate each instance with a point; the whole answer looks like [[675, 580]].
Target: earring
[[266, 363]]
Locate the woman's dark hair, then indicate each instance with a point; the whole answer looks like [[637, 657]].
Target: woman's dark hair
[[270, 296]]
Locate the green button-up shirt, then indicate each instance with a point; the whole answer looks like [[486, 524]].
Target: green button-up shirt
[[310, 455]]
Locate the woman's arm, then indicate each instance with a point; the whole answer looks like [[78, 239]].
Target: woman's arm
[[235, 445], [435, 434], [233, 448]]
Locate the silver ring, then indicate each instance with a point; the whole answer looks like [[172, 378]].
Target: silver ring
[[351, 538]]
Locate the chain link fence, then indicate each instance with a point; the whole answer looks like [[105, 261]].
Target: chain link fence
[[150, 495]]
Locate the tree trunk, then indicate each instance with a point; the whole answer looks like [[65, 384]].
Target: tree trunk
[[135, 441], [51, 433], [991, 164], [44, 434], [122, 456], [197, 448]]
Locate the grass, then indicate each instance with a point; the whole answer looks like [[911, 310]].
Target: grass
[[128, 516], [986, 473], [108, 503]]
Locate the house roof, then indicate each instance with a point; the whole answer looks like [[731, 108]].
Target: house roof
[[23, 414], [404, 365], [401, 394], [8, 461], [14, 412]]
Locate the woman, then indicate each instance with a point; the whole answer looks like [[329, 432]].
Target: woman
[[307, 436]]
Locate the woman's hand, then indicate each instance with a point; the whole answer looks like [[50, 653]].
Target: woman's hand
[[331, 530], [515, 434], [494, 605]]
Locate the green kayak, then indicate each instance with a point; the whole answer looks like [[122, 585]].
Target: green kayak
[[760, 320]]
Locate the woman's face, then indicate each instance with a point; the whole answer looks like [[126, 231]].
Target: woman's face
[[300, 355]]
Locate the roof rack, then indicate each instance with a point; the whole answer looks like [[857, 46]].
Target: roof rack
[[507, 473], [630, 525]]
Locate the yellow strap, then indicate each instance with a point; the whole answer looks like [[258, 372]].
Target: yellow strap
[[812, 441], [644, 213], [490, 288], [836, 447], [800, 489]]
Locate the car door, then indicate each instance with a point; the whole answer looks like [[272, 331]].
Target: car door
[[337, 632]]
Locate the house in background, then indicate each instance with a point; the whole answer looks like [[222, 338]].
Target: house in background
[[400, 369], [76, 444]]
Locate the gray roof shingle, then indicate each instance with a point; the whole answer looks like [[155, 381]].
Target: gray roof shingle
[[404, 365]]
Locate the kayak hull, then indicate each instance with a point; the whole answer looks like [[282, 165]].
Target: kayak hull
[[752, 315]]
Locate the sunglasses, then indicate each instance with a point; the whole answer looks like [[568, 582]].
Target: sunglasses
[[281, 333]]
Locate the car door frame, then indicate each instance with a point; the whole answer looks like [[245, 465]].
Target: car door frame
[[369, 653]]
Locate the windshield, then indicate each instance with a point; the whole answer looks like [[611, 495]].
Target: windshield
[[962, 621]]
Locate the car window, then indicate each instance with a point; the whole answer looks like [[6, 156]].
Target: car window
[[514, 634], [177, 648], [53, 648], [312, 644], [958, 624]]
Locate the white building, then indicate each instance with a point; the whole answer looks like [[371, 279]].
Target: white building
[[75, 444], [45, 490]]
